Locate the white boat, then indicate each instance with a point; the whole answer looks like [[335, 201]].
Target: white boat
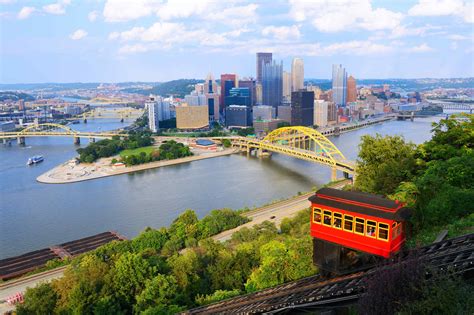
[[35, 159]]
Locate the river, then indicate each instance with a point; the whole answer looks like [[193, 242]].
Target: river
[[35, 215]]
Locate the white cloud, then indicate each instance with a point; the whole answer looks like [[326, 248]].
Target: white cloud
[[236, 16], [343, 15], [78, 34], [206, 10], [163, 35], [463, 9], [93, 15], [182, 9], [57, 8], [25, 12], [421, 48], [123, 10], [282, 32]]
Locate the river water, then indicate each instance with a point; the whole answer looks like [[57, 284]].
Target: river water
[[35, 215]]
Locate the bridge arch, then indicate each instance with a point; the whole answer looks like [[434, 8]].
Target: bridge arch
[[51, 126], [299, 137]]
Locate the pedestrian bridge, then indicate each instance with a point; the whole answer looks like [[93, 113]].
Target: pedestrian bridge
[[302, 143], [48, 130]]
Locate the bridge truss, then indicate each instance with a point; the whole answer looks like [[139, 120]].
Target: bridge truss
[[49, 129], [302, 143]]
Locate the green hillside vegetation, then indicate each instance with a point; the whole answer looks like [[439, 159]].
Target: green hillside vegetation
[[149, 275], [178, 88], [435, 178], [15, 96]]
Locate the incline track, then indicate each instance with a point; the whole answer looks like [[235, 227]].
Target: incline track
[[457, 254]]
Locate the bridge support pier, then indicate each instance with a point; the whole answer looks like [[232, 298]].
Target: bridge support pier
[[77, 140], [91, 140], [21, 140], [333, 174]]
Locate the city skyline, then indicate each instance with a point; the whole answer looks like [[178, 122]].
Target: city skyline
[[118, 41]]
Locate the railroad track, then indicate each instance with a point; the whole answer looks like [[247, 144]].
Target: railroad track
[[456, 254]]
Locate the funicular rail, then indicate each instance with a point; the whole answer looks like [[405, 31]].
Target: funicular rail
[[456, 254]]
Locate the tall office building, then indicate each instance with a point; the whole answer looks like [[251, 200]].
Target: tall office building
[[258, 92], [212, 98], [302, 108], [339, 85], [286, 85], [238, 96], [332, 113], [320, 113], [228, 81], [210, 86], [154, 113], [195, 99], [251, 84], [351, 89], [272, 84], [297, 74], [262, 59], [238, 116]]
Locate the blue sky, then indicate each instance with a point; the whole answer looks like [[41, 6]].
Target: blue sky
[[161, 40]]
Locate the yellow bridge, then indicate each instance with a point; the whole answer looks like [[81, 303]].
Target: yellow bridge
[[302, 143], [48, 130], [107, 113]]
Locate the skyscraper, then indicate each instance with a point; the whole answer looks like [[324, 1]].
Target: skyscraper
[[272, 83], [212, 97], [351, 89], [302, 108], [252, 86], [339, 85], [238, 96], [321, 113], [153, 106], [228, 81], [297, 74], [262, 59], [286, 85]]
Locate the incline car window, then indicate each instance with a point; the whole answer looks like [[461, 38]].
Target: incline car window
[[317, 215], [383, 231], [337, 220], [348, 223], [327, 217], [371, 228], [359, 227]]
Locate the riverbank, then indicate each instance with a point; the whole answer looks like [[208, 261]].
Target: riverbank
[[70, 172]]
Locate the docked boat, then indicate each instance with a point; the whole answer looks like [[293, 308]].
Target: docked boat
[[35, 159]]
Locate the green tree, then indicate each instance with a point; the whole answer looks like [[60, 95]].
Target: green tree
[[226, 143], [159, 291], [128, 276], [281, 262], [383, 163], [38, 301]]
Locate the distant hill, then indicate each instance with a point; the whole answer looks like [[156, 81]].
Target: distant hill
[[15, 96], [177, 88], [407, 85]]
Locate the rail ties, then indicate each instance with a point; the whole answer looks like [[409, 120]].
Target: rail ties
[[456, 254]]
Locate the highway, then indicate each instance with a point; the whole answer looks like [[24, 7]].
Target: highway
[[275, 212]]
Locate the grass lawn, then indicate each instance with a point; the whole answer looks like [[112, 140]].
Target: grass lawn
[[137, 151]]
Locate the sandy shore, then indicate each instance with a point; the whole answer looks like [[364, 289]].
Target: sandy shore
[[69, 172]]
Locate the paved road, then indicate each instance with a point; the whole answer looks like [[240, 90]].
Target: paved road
[[275, 212], [13, 287]]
